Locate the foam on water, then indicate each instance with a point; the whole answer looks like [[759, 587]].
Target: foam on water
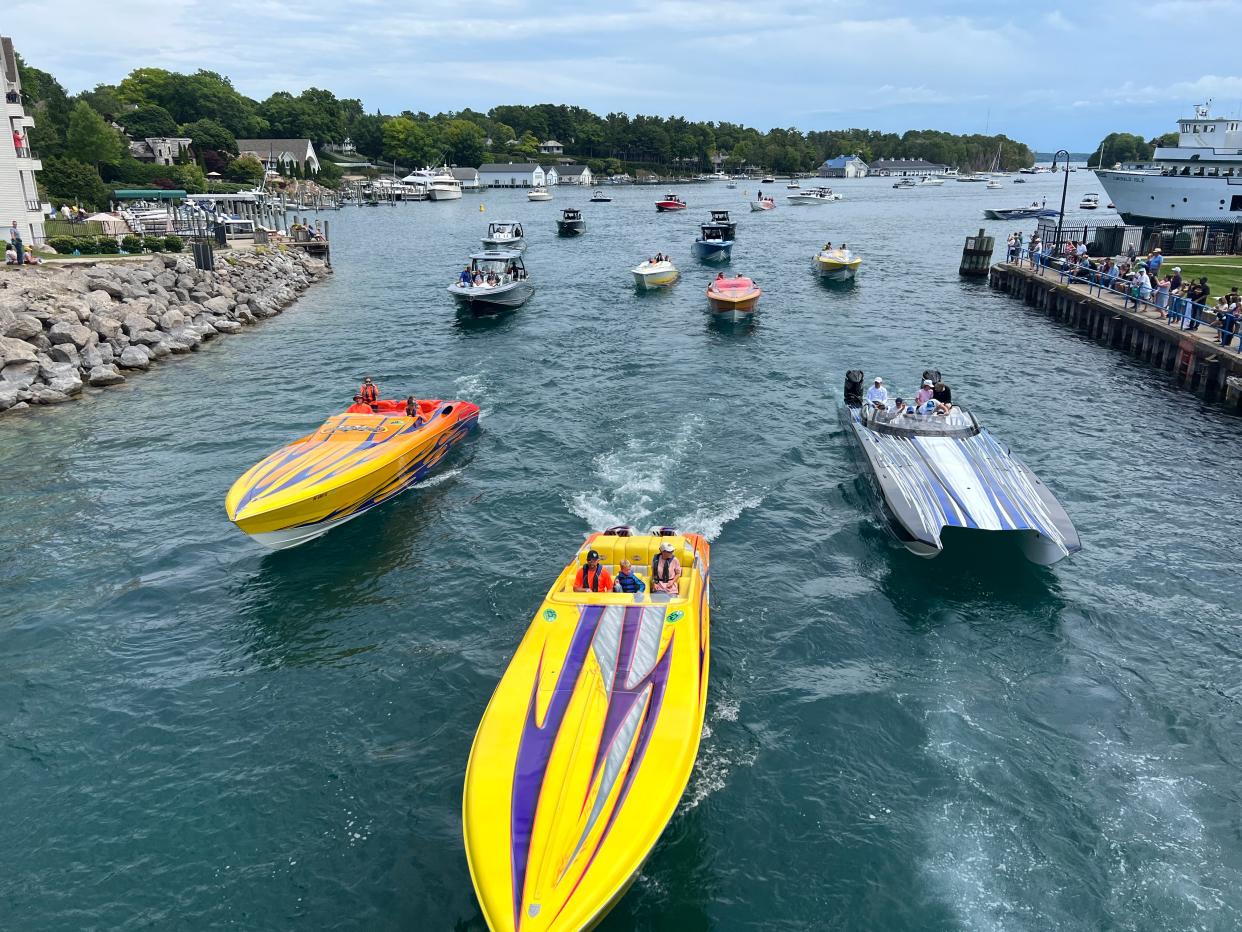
[[473, 388]]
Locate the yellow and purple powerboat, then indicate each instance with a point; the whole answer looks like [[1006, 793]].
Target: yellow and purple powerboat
[[344, 469], [589, 740]]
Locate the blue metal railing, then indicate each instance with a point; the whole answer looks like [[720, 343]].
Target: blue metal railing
[[1177, 310]]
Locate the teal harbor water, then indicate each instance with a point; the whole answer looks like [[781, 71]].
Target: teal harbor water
[[199, 733]]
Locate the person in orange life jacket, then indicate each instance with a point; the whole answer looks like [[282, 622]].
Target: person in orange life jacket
[[627, 581], [665, 570], [593, 576], [369, 393], [359, 407]]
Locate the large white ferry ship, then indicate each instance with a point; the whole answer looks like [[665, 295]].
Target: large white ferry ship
[[1198, 180]]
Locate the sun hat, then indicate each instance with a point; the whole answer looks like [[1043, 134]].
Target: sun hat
[[927, 383], [880, 380], [666, 547]]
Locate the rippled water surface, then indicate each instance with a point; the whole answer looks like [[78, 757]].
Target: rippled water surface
[[198, 733]]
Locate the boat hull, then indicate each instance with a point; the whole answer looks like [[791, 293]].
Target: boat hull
[[666, 207], [483, 300], [837, 271], [1142, 197], [352, 464], [587, 743], [444, 194], [712, 251], [733, 308], [927, 484], [490, 242], [570, 227], [762, 205], [645, 280]]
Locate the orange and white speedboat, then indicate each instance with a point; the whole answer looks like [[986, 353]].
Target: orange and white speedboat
[[733, 299], [344, 469], [589, 740]]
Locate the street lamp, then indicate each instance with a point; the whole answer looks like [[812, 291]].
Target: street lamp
[[1064, 189]]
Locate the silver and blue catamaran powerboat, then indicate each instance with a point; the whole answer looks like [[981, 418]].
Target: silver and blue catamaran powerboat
[[714, 243], [937, 471]]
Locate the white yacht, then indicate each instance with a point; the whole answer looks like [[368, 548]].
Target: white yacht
[[1199, 179], [437, 184]]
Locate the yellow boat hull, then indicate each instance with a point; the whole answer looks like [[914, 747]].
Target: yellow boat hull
[[837, 267], [351, 464], [588, 743]]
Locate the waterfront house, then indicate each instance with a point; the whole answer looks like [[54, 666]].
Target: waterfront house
[[277, 154], [917, 168], [469, 178], [843, 166], [19, 194], [551, 147], [159, 150], [511, 175], [575, 174], [551, 176]]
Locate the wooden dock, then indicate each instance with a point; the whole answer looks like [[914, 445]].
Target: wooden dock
[[1194, 358]]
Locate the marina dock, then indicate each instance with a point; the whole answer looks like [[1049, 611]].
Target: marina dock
[[1195, 359]]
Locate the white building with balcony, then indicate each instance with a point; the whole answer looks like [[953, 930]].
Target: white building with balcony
[[19, 194]]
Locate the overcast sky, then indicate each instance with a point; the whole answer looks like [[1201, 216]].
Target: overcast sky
[[1048, 74]]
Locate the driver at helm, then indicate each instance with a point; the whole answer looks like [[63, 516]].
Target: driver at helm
[[877, 394]]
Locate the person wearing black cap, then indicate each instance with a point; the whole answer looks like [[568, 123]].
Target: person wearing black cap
[[593, 576], [359, 407]]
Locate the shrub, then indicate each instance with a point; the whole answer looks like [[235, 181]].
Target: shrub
[[132, 243], [64, 245], [153, 243], [174, 243], [107, 246], [84, 245]]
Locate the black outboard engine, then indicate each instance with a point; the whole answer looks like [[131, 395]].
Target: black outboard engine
[[933, 374], [854, 388]]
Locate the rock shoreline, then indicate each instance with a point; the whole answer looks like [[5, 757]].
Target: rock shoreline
[[62, 329]]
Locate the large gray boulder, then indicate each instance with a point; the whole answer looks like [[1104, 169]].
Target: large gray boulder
[[159, 349], [107, 327], [65, 332], [148, 337], [91, 357], [218, 305], [113, 288], [133, 324], [23, 327], [8, 396], [46, 395], [172, 321], [224, 325], [134, 357], [67, 353], [12, 350], [20, 374], [98, 299], [69, 384], [106, 374]]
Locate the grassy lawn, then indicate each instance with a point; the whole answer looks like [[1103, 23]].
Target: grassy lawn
[[1223, 272]]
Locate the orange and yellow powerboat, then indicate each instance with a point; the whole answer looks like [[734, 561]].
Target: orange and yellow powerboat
[[344, 469], [589, 740], [733, 298]]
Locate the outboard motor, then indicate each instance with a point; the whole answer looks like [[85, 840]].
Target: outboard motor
[[854, 388], [621, 530], [933, 374]]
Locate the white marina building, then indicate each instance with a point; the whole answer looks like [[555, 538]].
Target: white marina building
[[19, 193]]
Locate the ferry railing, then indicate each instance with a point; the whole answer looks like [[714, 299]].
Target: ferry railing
[[1178, 310]]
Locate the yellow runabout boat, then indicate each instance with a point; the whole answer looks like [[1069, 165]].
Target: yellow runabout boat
[[589, 740], [838, 265], [344, 469]]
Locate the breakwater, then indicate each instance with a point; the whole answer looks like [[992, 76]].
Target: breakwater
[[1194, 359], [65, 328]]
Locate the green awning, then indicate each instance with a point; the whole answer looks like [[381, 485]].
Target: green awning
[[152, 194]]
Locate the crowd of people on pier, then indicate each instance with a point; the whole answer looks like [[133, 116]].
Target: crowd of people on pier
[[1142, 282]]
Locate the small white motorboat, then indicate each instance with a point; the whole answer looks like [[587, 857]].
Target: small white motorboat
[[504, 236], [655, 274], [814, 196], [1089, 202], [539, 194], [793, 186], [599, 197], [904, 183], [930, 182], [993, 185]]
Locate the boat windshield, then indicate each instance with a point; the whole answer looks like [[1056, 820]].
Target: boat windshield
[[498, 266], [957, 423]]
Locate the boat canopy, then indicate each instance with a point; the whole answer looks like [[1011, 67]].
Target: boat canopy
[[715, 231], [571, 213], [497, 254], [514, 229], [720, 216]]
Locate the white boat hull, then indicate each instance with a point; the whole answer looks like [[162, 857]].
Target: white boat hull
[[444, 194], [1142, 196], [296, 536], [649, 280], [480, 299]]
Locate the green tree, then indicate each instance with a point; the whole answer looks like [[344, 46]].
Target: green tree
[[1121, 147], [147, 121], [66, 180], [464, 142], [89, 139], [105, 101], [406, 140], [204, 95], [47, 100], [330, 174], [208, 135], [244, 170]]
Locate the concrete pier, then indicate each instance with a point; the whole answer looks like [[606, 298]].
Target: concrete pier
[[1193, 357]]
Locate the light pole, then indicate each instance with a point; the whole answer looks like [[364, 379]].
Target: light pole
[[1064, 189]]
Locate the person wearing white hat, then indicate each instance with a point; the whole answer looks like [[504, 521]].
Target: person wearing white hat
[[877, 394], [665, 570], [925, 393]]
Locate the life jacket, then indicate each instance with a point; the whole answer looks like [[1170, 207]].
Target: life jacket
[[667, 570], [593, 585], [369, 393], [629, 582]]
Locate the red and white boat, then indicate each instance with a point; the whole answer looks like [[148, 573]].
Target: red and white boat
[[763, 203], [733, 299], [671, 202]]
